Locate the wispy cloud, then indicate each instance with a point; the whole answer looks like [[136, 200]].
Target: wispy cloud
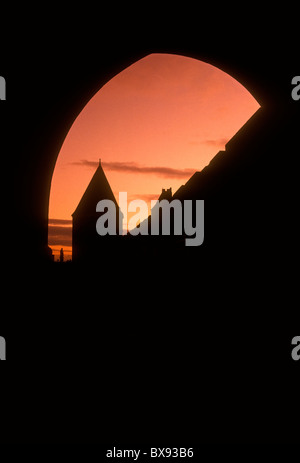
[[59, 222], [133, 167], [61, 235], [216, 142]]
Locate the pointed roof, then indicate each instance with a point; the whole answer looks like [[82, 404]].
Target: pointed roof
[[98, 189]]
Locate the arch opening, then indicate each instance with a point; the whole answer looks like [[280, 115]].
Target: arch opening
[[153, 125]]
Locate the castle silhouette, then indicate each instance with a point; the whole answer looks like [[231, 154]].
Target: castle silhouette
[[88, 245], [206, 343], [219, 182]]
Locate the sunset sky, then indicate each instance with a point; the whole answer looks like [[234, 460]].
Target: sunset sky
[[153, 125]]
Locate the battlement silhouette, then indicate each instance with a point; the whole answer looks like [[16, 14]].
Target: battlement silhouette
[[166, 194]]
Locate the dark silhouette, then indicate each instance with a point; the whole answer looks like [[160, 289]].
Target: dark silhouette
[[61, 256], [87, 245], [233, 206], [166, 194], [190, 341]]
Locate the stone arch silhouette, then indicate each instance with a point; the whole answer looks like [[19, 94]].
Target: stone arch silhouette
[[78, 86]]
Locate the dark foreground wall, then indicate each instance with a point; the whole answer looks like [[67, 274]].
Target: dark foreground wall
[[193, 344]]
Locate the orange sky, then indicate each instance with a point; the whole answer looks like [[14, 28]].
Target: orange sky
[[153, 125]]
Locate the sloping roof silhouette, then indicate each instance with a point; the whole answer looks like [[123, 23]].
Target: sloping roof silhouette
[[239, 152], [98, 189]]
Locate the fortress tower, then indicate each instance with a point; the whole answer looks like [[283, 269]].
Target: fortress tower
[[87, 244]]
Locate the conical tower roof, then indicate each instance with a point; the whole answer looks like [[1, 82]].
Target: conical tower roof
[[97, 190]]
